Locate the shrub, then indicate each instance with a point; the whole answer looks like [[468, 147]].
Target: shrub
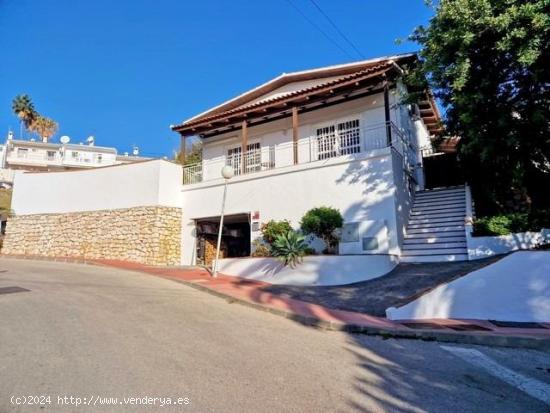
[[323, 223], [289, 248], [505, 224], [261, 249], [272, 229], [495, 225]]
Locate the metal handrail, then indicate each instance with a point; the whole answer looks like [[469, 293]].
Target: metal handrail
[[310, 149]]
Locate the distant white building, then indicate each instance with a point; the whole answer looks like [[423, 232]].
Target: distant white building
[[30, 155]]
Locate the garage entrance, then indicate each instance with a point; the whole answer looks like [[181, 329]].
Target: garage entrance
[[235, 237]]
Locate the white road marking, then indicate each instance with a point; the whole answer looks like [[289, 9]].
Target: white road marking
[[532, 387]]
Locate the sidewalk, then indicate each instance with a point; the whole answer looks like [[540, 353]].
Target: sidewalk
[[253, 294]]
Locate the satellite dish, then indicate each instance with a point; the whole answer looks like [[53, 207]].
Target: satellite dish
[[90, 139], [64, 139]]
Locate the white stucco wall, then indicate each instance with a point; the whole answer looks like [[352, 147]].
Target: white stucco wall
[[148, 183], [483, 247], [314, 270], [516, 288], [403, 196], [360, 186]]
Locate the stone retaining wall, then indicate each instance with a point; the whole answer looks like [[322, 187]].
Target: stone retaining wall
[[149, 235]]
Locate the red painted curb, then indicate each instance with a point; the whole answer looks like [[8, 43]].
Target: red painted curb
[[251, 291]]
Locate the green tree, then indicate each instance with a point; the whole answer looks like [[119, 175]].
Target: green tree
[[488, 62], [23, 108], [193, 154], [323, 223], [272, 229]]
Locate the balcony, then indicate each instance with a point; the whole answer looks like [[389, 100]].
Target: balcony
[[57, 158], [326, 145], [39, 157]]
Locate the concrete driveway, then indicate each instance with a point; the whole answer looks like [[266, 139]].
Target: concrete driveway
[[104, 336], [406, 282]]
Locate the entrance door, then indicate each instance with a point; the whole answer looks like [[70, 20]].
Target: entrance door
[[235, 238]]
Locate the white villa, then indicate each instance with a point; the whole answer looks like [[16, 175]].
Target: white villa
[[338, 136]]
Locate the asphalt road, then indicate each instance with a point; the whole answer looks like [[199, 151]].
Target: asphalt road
[[96, 333]]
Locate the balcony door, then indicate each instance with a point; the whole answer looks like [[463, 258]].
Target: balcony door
[[252, 158], [340, 138]]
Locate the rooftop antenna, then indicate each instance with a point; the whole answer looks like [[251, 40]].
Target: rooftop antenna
[[135, 151], [90, 140]]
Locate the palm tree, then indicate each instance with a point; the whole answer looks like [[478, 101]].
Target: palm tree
[[23, 107], [44, 127]]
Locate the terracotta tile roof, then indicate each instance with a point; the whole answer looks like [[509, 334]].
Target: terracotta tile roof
[[372, 71], [336, 80]]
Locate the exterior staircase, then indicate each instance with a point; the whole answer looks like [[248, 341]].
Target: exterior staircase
[[435, 231]]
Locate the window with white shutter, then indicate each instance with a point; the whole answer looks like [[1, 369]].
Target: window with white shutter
[[342, 138]]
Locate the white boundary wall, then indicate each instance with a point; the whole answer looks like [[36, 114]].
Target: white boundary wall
[[149, 183], [314, 270], [516, 288], [483, 247], [487, 246]]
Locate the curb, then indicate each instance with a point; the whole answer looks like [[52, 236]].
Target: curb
[[474, 338], [485, 339]]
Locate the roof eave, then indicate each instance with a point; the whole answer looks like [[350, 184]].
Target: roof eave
[[375, 72], [289, 77]]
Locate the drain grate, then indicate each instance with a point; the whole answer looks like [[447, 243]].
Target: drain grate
[[11, 290], [517, 324]]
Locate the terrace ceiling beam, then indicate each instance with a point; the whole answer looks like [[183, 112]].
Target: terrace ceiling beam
[[310, 106]]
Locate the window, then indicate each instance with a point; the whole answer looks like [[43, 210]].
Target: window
[[252, 158], [99, 158], [74, 155], [22, 152], [343, 138], [50, 155], [234, 159]]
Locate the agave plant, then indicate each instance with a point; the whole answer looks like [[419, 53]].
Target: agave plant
[[290, 248]]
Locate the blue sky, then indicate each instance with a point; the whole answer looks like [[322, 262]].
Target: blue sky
[[123, 71]]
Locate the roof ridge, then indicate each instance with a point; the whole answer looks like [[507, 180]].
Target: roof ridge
[[283, 75], [245, 107]]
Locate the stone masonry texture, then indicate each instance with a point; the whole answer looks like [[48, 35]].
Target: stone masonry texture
[[148, 235]]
